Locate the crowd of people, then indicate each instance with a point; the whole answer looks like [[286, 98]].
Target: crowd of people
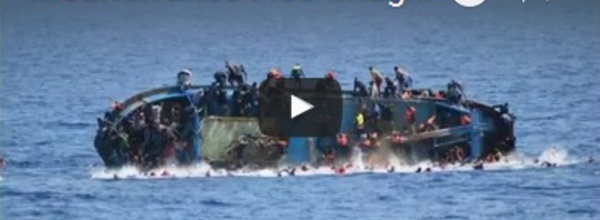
[[150, 135]]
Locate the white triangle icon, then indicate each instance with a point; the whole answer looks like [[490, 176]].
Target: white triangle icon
[[299, 106]]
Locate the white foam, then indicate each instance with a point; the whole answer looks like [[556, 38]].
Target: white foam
[[553, 155]]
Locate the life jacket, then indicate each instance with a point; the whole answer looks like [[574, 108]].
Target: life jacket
[[330, 75], [465, 120], [342, 139], [410, 115], [360, 121], [274, 73], [296, 71]]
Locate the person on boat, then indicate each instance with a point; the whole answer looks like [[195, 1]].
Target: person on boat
[[377, 78], [390, 88], [410, 117], [459, 154], [360, 90], [235, 74], [236, 102], [364, 142], [403, 78], [220, 78], [387, 116], [240, 76], [396, 138], [342, 142], [297, 73], [249, 100], [325, 85], [429, 125], [273, 73], [455, 92], [371, 89], [440, 95], [184, 79]]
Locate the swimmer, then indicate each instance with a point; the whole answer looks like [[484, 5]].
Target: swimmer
[[304, 168], [548, 164], [291, 172], [478, 165], [418, 170], [391, 169]]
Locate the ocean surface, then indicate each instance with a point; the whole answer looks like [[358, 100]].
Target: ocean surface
[[63, 62]]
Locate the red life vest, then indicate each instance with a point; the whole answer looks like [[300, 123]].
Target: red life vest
[[465, 120], [411, 114], [342, 140]]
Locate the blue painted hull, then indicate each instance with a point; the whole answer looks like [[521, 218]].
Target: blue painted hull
[[486, 133]]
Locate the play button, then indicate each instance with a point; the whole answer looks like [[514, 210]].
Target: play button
[[305, 108], [299, 106]]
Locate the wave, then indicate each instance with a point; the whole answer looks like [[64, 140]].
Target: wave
[[552, 157]]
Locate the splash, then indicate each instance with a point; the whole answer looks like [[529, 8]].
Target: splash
[[552, 157]]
